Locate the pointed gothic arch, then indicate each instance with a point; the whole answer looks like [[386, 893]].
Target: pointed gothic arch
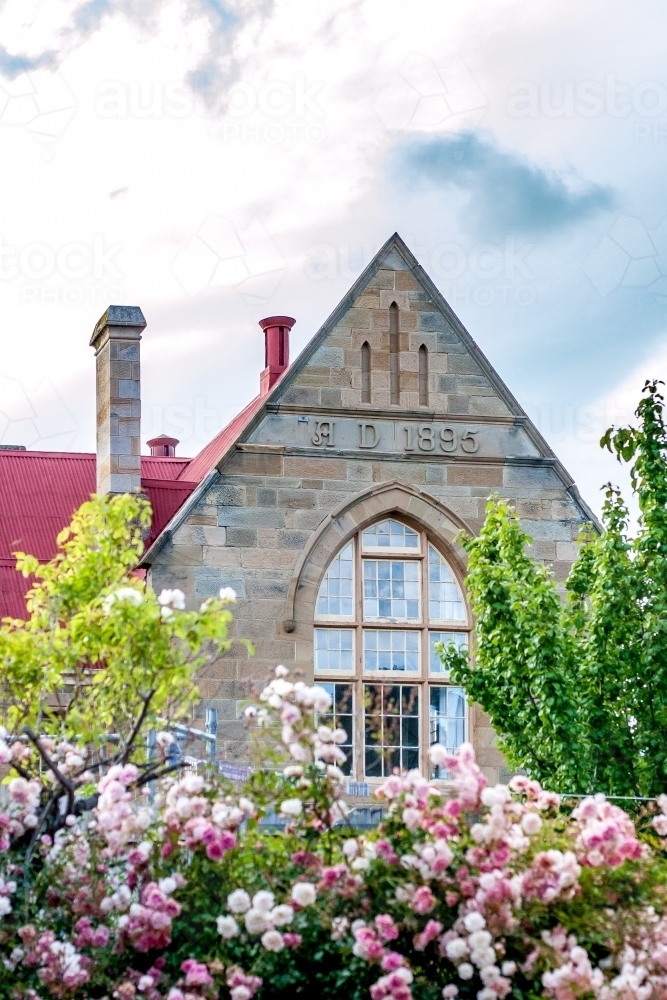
[[413, 506]]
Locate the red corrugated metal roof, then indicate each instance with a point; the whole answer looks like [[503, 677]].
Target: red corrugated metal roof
[[39, 492], [166, 497], [153, 467], [13, 588]]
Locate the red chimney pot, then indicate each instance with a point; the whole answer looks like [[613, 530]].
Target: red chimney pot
[[163, 446], [276, 350]]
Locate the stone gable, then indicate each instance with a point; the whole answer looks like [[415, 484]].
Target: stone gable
[[331, 376], [315, 465]]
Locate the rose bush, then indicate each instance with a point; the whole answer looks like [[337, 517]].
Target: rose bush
[[175, 889]]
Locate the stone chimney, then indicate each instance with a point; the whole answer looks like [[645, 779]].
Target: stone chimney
[[116, 339], [163, 446], [276, 350]]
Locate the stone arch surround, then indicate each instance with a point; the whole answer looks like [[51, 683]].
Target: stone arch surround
[[418, 508], [410, 504]]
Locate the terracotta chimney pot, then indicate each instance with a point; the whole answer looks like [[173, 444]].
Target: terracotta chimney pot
[[276, 350]]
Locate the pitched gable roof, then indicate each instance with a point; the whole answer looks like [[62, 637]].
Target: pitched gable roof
[[393, 255]]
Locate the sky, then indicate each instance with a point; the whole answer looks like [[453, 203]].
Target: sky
[[218, 161]]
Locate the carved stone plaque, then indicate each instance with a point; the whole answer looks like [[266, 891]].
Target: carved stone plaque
[[436, 438]]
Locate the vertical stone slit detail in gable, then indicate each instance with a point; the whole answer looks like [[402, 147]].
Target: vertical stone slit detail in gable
[[423, 375], [365, 372], [394, 383]]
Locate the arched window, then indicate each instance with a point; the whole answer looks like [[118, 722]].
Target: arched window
[[385, 600], [423, 375], [365, 373], [394, 381]]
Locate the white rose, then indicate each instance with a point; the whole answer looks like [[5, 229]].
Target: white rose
[[360, 865], [350, 848], [227, 927], [466, 970], [479, 939], [531, 823], [438, 755], [483, 957], [291, 807], [303, 893], [282, 914], [456, 949], [238, 901], [273, 941], [321, 700], [474, 922], [255, 921], [495, 796], [228, 594], [263, 901], [178, 599], [411, 818], [281, 671]]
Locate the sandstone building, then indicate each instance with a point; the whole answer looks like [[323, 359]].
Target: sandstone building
[[331, 505]]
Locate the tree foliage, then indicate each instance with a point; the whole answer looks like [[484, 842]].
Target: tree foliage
[[100, 653], [576, 688]]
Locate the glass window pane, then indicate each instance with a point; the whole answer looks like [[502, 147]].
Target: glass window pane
[[445, 599], [390, 535], [336, 594], [373, 763], [391, 589], [460, 640], [447, 720], [341, 716], [391, 649], [334, 650], [391, 727]]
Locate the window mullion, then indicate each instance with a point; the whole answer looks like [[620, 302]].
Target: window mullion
[[359, 766], [423, 705]]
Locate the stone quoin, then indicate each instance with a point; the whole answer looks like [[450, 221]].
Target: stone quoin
[[331, 505]]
